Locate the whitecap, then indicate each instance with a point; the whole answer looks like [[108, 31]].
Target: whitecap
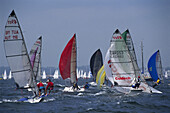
[[88, 109]]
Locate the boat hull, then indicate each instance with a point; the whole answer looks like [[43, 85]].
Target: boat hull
[[70, 89]]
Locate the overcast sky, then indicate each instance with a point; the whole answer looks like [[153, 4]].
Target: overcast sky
[[94, 22]]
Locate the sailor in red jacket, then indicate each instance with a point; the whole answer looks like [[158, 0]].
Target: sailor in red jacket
[[40, 86], [49, 86]]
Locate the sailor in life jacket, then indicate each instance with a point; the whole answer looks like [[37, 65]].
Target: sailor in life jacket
[[137, 84], [157, 82], [49, 86], [40, 86]]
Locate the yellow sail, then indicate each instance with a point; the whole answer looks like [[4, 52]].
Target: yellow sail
[[100, 77]]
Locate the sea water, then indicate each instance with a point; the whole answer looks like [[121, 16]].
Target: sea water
[[93, 100]]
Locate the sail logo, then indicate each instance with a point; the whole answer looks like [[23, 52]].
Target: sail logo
[[127, 36], [122, 78], [113, 68], [13, 34], [150, 69], [13, 21], [115, 72], [38, 42], [118, 37], [117, 54]]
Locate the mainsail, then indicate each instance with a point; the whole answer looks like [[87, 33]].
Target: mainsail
[[17, 55], [155, 66], [35, 57], [68, 61], [121, 61], [96, 62], [128, 40]]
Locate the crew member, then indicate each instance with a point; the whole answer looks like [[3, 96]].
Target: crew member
[[75, 86], [137, 84], [40, 86], [157, 82], [86, 86], [49, 86]]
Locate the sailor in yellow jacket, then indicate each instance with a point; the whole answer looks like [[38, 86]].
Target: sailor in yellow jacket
[[157, 82]]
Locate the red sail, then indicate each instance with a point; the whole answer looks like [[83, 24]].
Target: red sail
[[65, 59]]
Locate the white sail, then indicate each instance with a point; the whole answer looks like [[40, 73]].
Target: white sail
[[89, 74], [81, 74], [5, 75], [84, 75], [121, 61], [44, 75], [56, 76], [10, 75], [17, 55], [78, 74], [35, 57], [107, 66], [128, 40]]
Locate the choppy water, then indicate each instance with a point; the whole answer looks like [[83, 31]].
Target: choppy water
[[92, 100]]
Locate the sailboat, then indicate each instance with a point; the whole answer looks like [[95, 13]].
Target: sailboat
[[89, 74], [68, 64], [35, 57], [155, 67], [167, 73], [4, 75], [18, 59], [96, 62], [56, 76], [44, 75], [128, 40], [10, 75], [120, 66]]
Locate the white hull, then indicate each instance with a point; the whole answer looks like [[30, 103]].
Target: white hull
[[154, 90], [93, 83], [127, 90], [70, 89], [35, 100]]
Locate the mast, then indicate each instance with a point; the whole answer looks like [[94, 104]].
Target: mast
[[142, 57]]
